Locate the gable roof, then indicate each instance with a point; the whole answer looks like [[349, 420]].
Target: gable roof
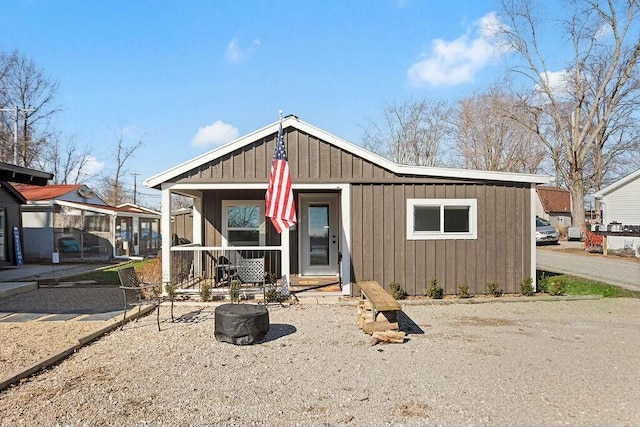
[[619, 183], [12, 191], [48, 192], [292, 121], [554, 199], [69, 192]]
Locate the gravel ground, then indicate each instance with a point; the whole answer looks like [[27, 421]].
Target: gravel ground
[[25, 343], [535, 363]]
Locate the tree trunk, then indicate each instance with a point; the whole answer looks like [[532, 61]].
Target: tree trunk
[[576, 188]]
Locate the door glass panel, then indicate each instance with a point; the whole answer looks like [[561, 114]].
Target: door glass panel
[[319, 235]]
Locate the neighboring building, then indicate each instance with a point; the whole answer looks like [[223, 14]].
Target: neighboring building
[[554, 205], [182, 224], [361, 216], [620, 204], [74, 222], [11, 235], [621, 201]]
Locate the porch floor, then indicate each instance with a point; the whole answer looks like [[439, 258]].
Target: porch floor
[[329, 284]]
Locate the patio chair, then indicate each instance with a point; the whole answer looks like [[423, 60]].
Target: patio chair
[[146, 293], [224, 270], [250, 270]]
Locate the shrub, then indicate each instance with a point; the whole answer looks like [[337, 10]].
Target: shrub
[[556, 285], [150, 271], [494, 288], [526, 286], [396, 291], [463, 291], [205, 292], [271, 292], [543, 283], [434, 291], [234, 291]]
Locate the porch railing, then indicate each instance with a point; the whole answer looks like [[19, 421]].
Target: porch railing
[[193, 265]]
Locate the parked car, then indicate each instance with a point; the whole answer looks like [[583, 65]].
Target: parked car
[[545, 232], [70, 245]]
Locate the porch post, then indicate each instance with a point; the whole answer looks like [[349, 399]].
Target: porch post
[[197, 234], [345, 244], [165, 227], [284, 260], [197, 220]]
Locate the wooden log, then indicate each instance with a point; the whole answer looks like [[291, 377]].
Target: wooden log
[[388, 337], [372, 327]]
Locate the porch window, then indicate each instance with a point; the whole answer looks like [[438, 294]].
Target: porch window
[[431, 219], [243, 223]]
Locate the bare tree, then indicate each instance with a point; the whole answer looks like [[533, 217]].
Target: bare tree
[[25, 86], [410, 133], [572, 116], [490, 136], [113, 189], [65, 159]]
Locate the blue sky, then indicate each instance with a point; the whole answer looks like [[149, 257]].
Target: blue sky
[[192, 74]]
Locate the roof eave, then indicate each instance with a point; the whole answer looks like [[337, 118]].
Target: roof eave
[[619, 183], [157, 180]]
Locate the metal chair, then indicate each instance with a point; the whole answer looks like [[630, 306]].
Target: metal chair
[[250, 270], [146, 293]]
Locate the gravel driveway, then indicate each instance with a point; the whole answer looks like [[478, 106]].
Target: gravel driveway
[[610, 269], [525, 363]]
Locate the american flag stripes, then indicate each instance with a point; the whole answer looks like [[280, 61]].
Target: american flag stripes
[[280, 205]]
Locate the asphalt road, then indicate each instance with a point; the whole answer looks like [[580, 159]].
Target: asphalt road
[[610, 269]]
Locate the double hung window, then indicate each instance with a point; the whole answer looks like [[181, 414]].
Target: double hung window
[[243, 222]]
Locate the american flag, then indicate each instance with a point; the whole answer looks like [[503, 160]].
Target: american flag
[[281, 207]]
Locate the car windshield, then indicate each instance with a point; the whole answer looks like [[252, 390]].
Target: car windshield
[[541, 222]]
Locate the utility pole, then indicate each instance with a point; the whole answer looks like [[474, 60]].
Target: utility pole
[[135, 187], [16, 111]]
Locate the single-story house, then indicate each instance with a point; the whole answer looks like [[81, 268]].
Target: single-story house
[[75, 223], [620, 203], [360, 216], [11, 235], [554, 205]]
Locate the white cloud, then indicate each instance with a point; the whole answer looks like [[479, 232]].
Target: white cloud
[[90, 170], [93, 166], [455, 62], [217, 133], [560, 84], [558, 81], [235, 54]]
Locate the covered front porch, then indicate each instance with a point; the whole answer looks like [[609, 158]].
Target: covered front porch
[[229, 231]]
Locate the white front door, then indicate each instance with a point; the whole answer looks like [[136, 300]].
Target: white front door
[[319, 234]]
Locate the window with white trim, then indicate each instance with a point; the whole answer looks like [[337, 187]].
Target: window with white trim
[[431, 219], [243, 223]]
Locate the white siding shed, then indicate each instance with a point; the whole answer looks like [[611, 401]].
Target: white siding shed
[[621, 201]]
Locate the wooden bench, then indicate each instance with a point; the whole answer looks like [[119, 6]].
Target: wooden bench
[[376, 300]]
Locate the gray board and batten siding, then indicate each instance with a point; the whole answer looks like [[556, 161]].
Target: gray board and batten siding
[[380, 249]]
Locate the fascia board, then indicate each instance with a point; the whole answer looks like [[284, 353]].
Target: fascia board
[[619, 183], [84, 207]]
